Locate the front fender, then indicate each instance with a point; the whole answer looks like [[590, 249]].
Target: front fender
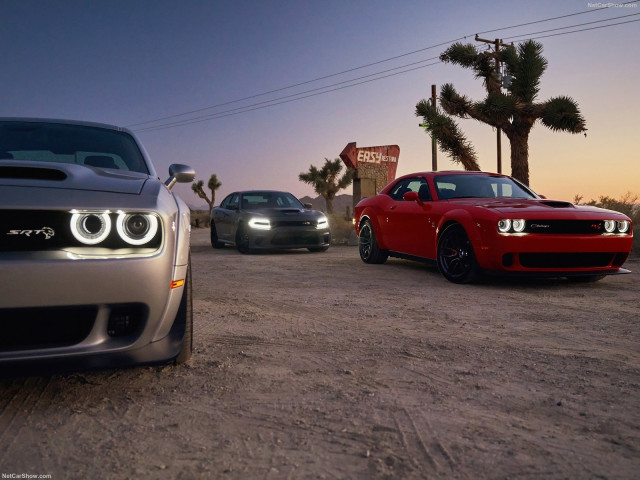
[[474, 230], [372, 215]]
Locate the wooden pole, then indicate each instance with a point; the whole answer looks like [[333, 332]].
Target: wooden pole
[[434, 144]]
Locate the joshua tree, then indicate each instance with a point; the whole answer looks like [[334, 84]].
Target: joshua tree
[[326, 182], [213, 185], [515, 111]]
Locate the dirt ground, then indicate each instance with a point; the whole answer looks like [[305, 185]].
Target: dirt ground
[[316, 365]]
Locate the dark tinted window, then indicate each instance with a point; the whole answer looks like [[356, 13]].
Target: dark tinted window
[[64, 143], [479, 186], [257, 200], [411, 185]]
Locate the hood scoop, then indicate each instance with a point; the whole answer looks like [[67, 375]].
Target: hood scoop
[[556, 204], [32, 173]]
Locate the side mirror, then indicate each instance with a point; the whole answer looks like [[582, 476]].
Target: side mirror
[[180, 173], [308, 206], [413, 197]]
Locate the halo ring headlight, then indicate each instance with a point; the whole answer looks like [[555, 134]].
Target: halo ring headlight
[[609, 226], [518, 225], [90, 228], [623, 226], [504, 225], [137, 228]]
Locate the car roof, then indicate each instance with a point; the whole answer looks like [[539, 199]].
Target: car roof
[[243, 192], [63, 122]]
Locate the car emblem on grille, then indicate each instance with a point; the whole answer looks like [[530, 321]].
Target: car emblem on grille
[[539, 225], [47, 232]]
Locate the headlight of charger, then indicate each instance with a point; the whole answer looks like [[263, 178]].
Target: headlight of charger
[[260, 223]]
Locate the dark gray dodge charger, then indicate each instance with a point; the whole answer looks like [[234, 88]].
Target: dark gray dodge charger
[[267, 220]]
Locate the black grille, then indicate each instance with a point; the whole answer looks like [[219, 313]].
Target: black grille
[[30, 328], [37, 230], [294, 238], [567, 227], [294, 223], [565, 260]]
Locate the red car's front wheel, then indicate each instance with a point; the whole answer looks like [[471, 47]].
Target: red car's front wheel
[[369, 250], [456, 259]]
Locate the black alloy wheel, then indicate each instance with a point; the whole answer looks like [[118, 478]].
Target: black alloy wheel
[[243, 240], [185, 315], [368, 247], [456, 259], [215, 243]]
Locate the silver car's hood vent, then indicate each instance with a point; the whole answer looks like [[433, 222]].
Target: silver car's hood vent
[[32, 173], [22, 173]]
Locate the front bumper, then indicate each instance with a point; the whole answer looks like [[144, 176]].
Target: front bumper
[[288, 238], [94, 312], [565, 255]]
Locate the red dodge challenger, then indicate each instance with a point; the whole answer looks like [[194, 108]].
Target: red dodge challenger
[[474, 222]]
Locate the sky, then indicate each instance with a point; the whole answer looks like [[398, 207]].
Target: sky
[[191, 79]]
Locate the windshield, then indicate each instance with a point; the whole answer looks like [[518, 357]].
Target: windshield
[[258, 200], [66, 143], [480, 186]]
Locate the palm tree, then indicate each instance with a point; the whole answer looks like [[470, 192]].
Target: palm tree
[[326, 182], [213, 184], [515, 112]]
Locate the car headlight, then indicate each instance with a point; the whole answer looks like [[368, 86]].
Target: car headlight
[[260, 223], [136, 228], [609, 226], [511, 226], [504, 226], [323, 222], [90, 228], [623, 226], [518, 225]]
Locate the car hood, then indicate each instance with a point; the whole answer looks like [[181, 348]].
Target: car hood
[[285, 212], [70, 176], [517, 206]]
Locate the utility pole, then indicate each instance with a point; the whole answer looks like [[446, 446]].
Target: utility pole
[[498, 43], [434, 144]]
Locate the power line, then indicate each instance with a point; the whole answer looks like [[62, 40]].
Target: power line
[[580, 30], [528, 35], [274, 102], [297, 84], [555, 18], [328, 88]]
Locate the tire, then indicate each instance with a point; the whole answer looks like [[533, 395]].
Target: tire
[[185, 315], [243, 240], [368, 247], [215, 243], [318, 249], [455, 256]]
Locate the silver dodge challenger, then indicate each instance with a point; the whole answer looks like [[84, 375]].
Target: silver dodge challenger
[[94, 249]]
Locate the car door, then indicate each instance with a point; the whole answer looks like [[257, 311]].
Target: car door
[[225, 217], [408, 226]]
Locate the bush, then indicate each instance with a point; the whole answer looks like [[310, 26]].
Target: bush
[[627, 204], [341, 229]]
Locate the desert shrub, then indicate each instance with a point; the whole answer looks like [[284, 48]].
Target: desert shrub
[[341, 229], [200, 218]]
